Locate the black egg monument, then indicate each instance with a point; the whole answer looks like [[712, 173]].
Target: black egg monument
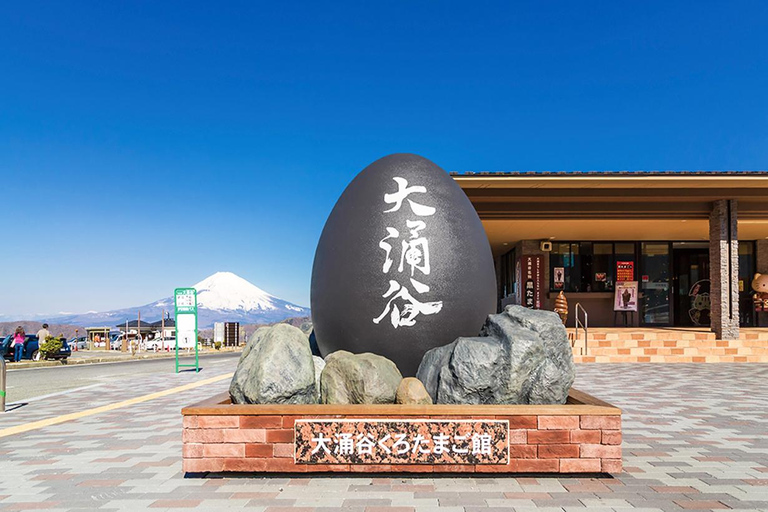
[[403, 264]]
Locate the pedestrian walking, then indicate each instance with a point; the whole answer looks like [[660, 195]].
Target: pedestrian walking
[[43, 334], [18, 343]]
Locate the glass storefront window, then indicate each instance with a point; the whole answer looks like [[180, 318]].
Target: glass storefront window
[[654, 283], [602, 267], [583, 266], [746, 273]]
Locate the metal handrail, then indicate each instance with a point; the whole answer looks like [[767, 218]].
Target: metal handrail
[[578, 323]]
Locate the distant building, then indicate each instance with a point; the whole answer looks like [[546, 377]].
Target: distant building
[[218, 332], [231, 334], [166, 329]]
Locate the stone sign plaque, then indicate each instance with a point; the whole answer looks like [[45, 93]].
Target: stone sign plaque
[[401, 441]]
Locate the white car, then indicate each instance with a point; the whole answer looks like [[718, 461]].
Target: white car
[[161, 344]]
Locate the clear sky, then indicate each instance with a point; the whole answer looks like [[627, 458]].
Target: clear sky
[[146, 145]]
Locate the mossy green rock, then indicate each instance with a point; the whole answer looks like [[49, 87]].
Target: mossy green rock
[[358, 379], [277, 369]]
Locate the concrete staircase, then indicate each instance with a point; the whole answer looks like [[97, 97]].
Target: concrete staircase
[[672, 345]]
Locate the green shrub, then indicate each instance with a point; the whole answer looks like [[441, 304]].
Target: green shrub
[[51, 346], [217, 345]]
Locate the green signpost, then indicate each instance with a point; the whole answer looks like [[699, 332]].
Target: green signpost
[[185, 301]]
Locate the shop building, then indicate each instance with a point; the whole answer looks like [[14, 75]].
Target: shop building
[[691, 241]]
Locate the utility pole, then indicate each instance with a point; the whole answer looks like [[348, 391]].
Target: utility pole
[[138, 332], [162, 331]]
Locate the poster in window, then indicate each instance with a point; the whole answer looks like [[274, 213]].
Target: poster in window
[[533, 279], [625, 271], [559, 273], [625, 296]]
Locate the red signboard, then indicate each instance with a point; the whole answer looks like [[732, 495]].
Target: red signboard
[[532, 281], [625, 271]]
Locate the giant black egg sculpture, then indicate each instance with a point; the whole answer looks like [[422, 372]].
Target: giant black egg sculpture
[[403, 264]]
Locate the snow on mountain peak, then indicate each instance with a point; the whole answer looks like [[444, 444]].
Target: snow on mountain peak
[[225, 290]]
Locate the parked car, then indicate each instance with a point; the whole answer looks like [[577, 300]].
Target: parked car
[[31, 350], [116, 341], [81, 343], [161, 343]]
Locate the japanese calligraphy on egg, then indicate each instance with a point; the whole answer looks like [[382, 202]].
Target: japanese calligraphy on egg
[[407, 280], [394, 441]]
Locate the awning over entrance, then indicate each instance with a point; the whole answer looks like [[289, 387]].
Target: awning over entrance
[[619, 206], [589, 217]]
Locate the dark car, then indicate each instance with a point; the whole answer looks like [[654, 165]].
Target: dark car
[[31, 349]]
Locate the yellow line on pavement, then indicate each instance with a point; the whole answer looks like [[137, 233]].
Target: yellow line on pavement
[[26, 427]]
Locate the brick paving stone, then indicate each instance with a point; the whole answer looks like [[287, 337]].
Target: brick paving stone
[[693, 435], [354, 502], [175, 504], [701, 505]]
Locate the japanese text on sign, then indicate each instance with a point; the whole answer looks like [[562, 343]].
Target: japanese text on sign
[[402, 306], [534, 275], [401, 442]]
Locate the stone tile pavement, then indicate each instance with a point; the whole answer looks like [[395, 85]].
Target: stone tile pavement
[[695, 438]]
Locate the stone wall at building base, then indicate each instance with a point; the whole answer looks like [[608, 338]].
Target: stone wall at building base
[[671, 346], [583, 436]]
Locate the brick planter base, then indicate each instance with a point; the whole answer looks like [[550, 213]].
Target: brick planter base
[[582, 436]]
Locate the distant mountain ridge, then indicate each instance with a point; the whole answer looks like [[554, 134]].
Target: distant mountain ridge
[[221, 297]]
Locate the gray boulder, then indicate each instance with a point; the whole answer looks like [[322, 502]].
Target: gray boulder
[[431, 364], [522, 356], [253, 340], [277, 369], [319, 366], [358, 379]]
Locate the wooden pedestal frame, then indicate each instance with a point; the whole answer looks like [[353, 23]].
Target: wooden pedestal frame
[[582, 436]]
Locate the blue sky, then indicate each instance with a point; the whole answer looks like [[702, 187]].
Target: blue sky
[[146, 145]]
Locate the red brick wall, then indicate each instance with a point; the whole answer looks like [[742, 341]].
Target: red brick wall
[[537, 444]]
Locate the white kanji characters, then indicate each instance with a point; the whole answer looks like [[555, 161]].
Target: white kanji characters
[[391, 233], [481, 444], [321, 441], [441, 442], [418, 443], [411, 309], [365, 444], [400, 441], [403, 191], [414, 252], [345, 443], [455, 449]]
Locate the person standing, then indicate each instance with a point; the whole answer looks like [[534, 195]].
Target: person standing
[[43, 334], [18, 343]]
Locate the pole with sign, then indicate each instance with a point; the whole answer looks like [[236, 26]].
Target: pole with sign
[[185, 300]]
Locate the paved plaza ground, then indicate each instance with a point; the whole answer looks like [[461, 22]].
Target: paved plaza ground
[[695, 437]]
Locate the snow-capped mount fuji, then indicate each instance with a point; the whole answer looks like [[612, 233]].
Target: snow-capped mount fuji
[[222, 297]]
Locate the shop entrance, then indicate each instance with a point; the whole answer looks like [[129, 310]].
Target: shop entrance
[[691, 285]]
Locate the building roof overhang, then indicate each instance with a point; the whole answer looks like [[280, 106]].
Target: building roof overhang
[[619, 206]]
